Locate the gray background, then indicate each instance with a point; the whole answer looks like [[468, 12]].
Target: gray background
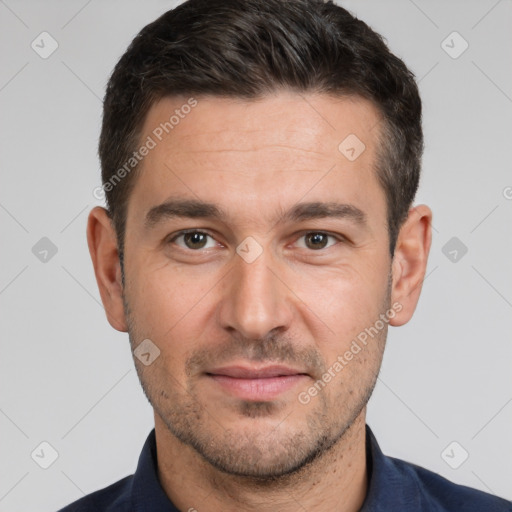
[[67, 377]]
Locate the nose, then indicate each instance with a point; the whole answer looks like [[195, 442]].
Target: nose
[[256, 301]]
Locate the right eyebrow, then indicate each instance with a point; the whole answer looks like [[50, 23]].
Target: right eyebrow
[[173, 208]]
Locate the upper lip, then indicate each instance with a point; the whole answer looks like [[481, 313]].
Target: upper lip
[[250, 372]]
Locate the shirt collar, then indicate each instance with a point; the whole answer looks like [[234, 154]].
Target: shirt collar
[[389, 488], [147, 492]]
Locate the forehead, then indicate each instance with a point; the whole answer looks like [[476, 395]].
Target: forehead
[[259, 152]]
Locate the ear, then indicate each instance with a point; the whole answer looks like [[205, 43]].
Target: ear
[[107, 267], [410, 262]]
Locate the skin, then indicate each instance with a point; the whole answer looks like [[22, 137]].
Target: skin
[[296, 304]]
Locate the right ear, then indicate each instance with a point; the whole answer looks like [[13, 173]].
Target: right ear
[[102, 242]]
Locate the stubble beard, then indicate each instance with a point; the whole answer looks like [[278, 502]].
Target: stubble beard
[[255, 455]]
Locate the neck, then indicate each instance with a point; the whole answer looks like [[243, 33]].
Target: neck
[[337, 480]]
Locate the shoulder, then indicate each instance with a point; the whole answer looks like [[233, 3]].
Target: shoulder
[[440, 494], [113, 498]]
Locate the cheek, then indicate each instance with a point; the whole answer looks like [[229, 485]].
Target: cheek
[[172, 310], [167, 305], [347, 298]]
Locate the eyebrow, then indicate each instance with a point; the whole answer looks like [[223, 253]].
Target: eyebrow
[[191, 208]]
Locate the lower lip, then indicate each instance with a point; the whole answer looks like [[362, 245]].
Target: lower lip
[[258, 389]]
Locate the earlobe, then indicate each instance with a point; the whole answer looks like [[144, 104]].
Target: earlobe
[[410, 262], [102, 244]]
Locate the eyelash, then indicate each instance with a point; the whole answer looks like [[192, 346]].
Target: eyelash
[[339, 238]]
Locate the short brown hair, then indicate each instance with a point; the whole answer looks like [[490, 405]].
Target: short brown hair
[[247, 48]]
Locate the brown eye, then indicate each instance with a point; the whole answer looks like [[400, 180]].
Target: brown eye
[[316, 240], [194, 240]]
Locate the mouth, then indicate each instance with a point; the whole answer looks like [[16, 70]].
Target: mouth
[[257, 384]]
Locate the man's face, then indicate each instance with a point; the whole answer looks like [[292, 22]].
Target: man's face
[[254, 305]]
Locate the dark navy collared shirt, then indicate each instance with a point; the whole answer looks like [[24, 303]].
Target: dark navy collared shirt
[[393, 486]]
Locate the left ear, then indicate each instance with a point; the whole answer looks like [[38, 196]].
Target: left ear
[[410, 262]]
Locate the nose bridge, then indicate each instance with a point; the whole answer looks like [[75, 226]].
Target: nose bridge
[[256, 279], [255, 302]]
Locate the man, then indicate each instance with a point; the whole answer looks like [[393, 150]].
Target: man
[[260, 159]]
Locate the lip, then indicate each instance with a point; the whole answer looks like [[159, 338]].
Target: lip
[[257, 384], [251, 372]]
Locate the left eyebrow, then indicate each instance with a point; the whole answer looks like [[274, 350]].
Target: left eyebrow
[[191, 208], [320, 210]]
